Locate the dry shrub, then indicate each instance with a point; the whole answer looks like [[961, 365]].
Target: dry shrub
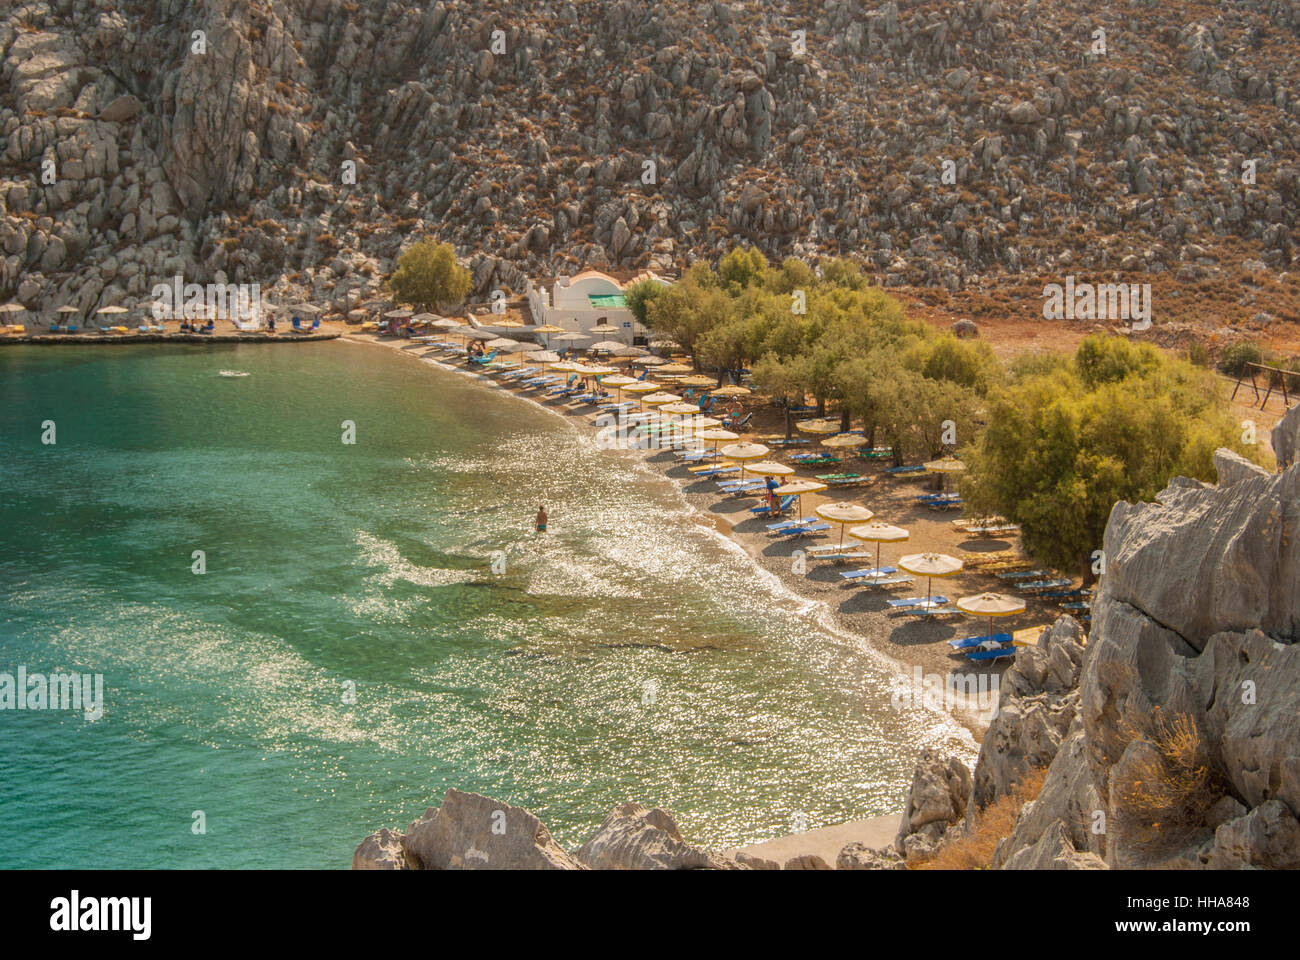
[[1164, 796], [996, 821]]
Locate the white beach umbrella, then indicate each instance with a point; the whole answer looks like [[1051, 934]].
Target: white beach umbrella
[[844, 514], [879, 533], [606, 346], [603, 328], [743, 452], [798, 488], [930, 565], [991, 605]]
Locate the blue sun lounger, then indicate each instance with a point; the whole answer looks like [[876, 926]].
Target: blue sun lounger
[[869, 573], [935, 601], [931, 612], [899, 471], [1007, 651], [1021, 574], [967, 642], [1077, 605], [786, 502], [802, 529], [1042, 584]]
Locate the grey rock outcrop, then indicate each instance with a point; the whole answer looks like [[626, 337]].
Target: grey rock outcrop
[[935, 801], [858, 856], [473, 832], [383, 850], [635, 838]]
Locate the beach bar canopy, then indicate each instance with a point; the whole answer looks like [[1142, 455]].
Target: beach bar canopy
[[930, 565], [991, 605]]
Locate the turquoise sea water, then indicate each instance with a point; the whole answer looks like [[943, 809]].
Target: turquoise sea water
[[629, 653]]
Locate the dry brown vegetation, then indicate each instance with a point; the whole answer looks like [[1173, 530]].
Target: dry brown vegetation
[[1164, 795], [993, 823]]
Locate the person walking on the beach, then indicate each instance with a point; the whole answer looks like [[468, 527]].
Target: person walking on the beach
[[541, 519], [773, 503]]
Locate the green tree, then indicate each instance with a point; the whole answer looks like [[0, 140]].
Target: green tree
[[741, 268], [1063, 446], [639, 296], [429, 277]]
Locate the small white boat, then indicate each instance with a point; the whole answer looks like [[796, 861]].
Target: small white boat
[[233, 373]]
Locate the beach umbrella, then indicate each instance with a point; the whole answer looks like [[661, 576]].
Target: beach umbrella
[[480, 334], [12, 308], [606, 346], [706, 423], [745, 451], [844, 440], [824, 425], [544, 357], [447, 323], [717, 435], [501, 343], [548, 328], [667, 368], [945, 466], [631, 352], [844, 514], [656, 362], [797, 488], [654, 399], [991, 605], [593, 370], [603, 328], [112, 310], [930, 565], [67, 309], [401, 314], [570, 337], [692, 381], [879, 533], [769, 468], [678, 406], [618, 381], [642, 386], [507, 322], [730, 391]]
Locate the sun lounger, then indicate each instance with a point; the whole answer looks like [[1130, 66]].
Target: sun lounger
[[905, 471], [967, 642], [889, 581], [839, 557], [1076, 605], [832, 477], [802, 529], [717, 471], [785, 524], [1042, 584], [999, 653], [792, 442], [868, 573], [935, 601], [931, 612], [1021, 574]]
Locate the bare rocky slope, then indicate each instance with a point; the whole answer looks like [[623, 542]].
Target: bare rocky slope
[[215, 140]]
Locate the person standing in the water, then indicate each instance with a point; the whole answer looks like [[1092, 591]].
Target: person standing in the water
[[541, 519]]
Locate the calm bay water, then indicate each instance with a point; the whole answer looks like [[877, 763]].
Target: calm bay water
[[630, 653]]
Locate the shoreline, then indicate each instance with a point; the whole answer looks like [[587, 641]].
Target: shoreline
[[96, 339], [859, 616]]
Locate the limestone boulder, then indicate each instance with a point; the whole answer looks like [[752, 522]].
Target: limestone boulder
[[473, 832], [383, 850], [633, 837]]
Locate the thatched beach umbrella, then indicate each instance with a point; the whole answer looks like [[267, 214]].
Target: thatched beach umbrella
[[878, 533], [731, 390], [797, 488], [844, 514], [844, 440], [945, 466], [930, 565], [991, 605], [717, 435], [745, 451], [824, 425], [603, 328]]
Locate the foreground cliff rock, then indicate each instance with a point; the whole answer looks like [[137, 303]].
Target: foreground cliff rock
[[473, 832], [1172, 739]]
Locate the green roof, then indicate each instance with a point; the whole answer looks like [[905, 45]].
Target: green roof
[[605, 301]]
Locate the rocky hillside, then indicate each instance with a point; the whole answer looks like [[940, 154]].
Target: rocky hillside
[[219, 139]]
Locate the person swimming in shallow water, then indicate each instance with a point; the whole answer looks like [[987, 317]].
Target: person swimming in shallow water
[[541, 519]]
